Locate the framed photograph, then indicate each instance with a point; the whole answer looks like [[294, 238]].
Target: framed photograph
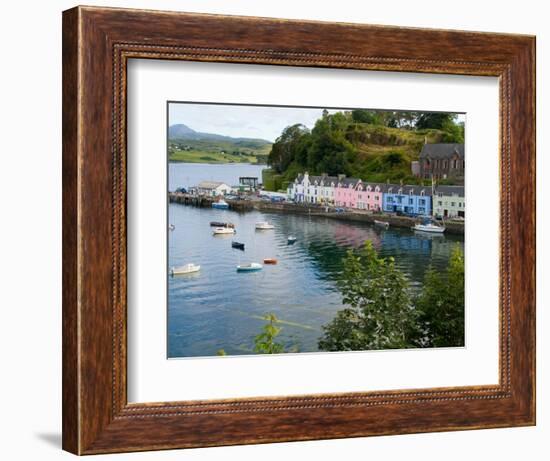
[[284, 230]]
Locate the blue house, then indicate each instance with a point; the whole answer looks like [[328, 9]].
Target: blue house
[[411, 200]]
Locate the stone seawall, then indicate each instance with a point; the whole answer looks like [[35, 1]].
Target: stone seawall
[[356, 216]]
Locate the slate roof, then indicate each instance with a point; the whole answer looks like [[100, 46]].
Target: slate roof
[[450, 190], [210, 184], [442, 150]]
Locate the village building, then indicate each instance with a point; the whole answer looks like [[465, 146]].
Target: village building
[[213, 188], [449, 202], [411, 200], [369, 196], [442, 161], [296, 190], [344, 195]]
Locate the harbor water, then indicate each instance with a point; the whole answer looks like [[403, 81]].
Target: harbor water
[[220, 308]]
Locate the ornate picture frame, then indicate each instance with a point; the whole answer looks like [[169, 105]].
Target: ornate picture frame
[[97, 44]]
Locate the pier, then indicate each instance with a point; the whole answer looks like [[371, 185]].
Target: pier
[[203, 201]]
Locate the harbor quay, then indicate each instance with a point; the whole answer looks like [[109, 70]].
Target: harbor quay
[[251, 203]]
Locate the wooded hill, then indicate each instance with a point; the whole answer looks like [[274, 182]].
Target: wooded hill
[[376, 146]]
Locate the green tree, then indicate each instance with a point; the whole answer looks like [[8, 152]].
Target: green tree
[[371, 117], [330, 151], [265, 343], [287, 147], [381, 314], [441, 305], [435, 120]]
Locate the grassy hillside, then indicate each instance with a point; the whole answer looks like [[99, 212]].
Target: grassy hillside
[[218, 151], [379, 154], [385, 153]]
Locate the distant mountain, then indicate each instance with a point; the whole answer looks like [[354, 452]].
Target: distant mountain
[[183, 132]]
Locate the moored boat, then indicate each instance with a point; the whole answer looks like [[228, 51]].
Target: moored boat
[[221, 204], [252, 267], [428, 225], [270, 261], [237, 245], [264, 225], [185, 269], [381, 223], [221, 224], [291, 240], [223, 231], [429, 228]]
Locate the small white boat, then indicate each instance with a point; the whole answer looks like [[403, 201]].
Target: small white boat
[[223, 230], [220, 204], [186, 269], [430, 227], [264, 225], [291, 239], [249, 267], [382, 223], [171, 227]]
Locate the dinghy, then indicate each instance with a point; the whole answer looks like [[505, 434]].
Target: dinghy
[[237, 245], [220, 204], [186, 269], [270, 261], [252, 267], [264, 225], [291, 240]]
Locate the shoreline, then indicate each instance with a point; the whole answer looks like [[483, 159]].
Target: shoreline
[[316, 210]]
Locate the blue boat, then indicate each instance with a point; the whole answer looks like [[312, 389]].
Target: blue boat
[[220, 204]]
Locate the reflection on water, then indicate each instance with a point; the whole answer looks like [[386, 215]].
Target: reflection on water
[[219, 308]]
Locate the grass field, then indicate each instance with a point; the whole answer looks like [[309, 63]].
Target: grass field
[[192, 151], [196, 156]]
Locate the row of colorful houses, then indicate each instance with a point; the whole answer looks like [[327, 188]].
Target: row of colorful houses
[[339, 191]]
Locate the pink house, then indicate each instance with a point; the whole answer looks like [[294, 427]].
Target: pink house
[[368, 196], [345, 194]]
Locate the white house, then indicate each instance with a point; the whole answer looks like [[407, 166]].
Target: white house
[[213, 188], [299, 188]]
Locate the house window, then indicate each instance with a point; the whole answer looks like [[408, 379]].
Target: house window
[[440, 203], [422, 202], [411, 201], [452, 203], [422, 193]]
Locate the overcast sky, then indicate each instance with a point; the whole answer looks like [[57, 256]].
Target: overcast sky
[[243, 121]]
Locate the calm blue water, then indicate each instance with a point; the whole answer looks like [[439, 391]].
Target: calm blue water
[[219, 308], [190, 174]]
